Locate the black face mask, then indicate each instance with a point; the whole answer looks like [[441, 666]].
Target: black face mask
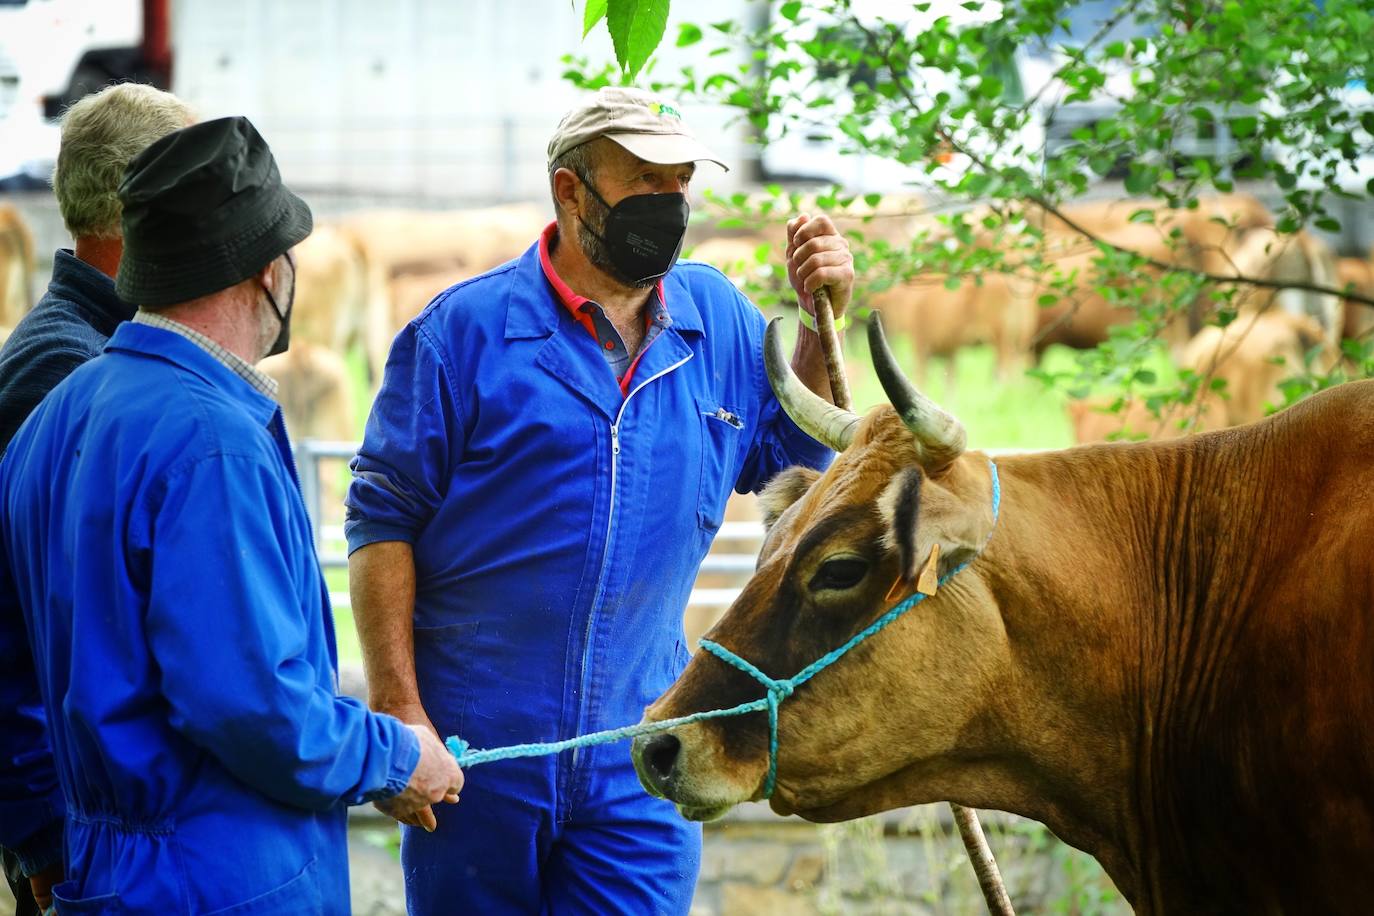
[[284, 336], [643, 233]]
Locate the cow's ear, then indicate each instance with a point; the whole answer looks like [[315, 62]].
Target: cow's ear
[[784, 490], [900, 504]]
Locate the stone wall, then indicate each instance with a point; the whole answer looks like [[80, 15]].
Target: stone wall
[[757, 864]]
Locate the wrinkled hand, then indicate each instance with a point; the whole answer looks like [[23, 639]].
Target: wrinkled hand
[[436, 777], [817, 255], [42, 884]]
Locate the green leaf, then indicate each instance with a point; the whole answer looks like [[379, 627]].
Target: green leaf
[[1140, 178], [591, 15], [688, 34], [1244, 126], [636, 28], [873, 199], [1330, 224], [790, 10]]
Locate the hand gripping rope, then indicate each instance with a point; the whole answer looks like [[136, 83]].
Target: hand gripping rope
[[777, 689]]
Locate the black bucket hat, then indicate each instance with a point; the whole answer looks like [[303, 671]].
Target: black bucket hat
[[204, 209]]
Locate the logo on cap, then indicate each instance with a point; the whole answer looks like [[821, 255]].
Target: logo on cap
[[667, 111]]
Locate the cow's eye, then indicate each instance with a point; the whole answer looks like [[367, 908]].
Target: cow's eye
[[839, 573]]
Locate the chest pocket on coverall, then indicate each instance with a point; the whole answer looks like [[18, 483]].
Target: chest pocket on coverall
[[721, 428]]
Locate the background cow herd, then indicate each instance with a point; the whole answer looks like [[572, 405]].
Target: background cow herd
[[364, 274]]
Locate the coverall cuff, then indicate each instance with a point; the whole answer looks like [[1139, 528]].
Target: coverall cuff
[[802, 448], [361, 532], [42, 849], [404, 759]]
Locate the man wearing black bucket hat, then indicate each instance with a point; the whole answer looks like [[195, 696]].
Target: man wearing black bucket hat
[[158, 549]]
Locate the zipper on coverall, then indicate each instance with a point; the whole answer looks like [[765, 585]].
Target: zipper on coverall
[[606, 549]]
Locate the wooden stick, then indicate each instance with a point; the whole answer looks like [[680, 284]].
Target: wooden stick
[[975, 842], [984, 865], [830, 348]]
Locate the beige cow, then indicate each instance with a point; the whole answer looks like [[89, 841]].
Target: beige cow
[[314, 392], [1302, 258], [994, 309], [1252, 355], [1095, 420], [17, 268], [1358, 319], [457, 244], [1001, 309], [1210, 237], [331, 290], [737, 256]]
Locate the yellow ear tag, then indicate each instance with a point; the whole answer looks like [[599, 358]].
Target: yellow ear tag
[[928, 581]]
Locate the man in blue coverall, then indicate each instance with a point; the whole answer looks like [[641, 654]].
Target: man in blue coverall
[[543, 470], [156, 551], [69, 326]]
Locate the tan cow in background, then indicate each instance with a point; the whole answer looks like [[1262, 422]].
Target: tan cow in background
[[1209, 237], [737, 256], [16, 269], [1301, 258], [1358, 318], [326, 320], [457, 243], [994, 309], [1252, 355], [999, 310], [360, 278], [314, 392]]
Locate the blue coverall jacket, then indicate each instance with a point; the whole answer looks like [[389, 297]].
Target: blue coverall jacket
[[155, 539], [557, 528]]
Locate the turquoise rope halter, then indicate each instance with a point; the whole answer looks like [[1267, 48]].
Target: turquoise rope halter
[[776, 689]]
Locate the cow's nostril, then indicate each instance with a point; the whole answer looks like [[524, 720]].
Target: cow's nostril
[[661, 754]]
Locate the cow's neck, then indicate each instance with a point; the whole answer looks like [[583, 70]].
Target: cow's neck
[[1110, 569]]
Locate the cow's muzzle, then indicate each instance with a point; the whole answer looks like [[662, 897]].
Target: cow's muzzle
[[682, 766]]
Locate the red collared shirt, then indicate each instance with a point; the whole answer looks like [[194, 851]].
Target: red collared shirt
[[592, 317]]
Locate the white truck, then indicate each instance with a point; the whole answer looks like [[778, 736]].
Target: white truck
[[52, 52]]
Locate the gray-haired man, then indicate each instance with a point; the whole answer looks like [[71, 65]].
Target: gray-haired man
[[69, 325]]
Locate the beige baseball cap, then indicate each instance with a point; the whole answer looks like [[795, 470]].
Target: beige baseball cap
[[641, 122]]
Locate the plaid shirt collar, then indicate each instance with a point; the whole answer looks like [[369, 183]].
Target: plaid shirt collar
[[241, 367]]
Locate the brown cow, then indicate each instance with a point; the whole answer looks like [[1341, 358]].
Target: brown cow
[[1160, 650], [16, 267], [1095, 420], [1208, 238], [1252, 355], [1358, 318], [458, 243], [1000, 311], [738, 256], [1302, 258], [314, 392]]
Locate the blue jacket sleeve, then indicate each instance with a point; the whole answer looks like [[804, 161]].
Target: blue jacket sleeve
[[413, 435], [778, 442], [239, 661], [31, 802]]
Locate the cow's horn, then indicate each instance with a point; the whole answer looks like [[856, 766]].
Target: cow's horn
[[940, 438], [816, 416]]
